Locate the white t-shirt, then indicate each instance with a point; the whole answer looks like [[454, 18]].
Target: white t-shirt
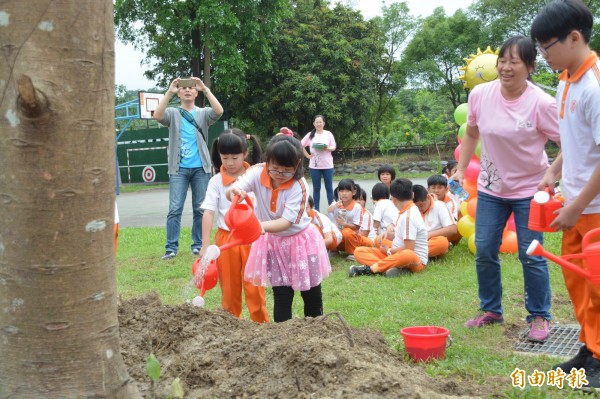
[[437, 216], [385, 213], [367, 224], [410, 226], [215, 199], [353, 213], [288, 200], [579, 120], [326, 225]]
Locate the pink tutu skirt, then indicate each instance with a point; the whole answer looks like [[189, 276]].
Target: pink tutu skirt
[[299, 261]]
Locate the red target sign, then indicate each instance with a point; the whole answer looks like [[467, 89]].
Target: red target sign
[[149, 174]]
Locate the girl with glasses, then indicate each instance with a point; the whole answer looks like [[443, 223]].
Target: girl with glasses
[[290, 255]]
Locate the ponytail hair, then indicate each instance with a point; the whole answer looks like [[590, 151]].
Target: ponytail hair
[[314, 131], [234, 141]]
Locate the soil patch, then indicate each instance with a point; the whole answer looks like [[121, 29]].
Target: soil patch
[[216, 355]]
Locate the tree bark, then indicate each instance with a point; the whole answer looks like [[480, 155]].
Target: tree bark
[[59, 332]]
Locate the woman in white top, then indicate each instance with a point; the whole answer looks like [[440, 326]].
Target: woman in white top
[[322, 144]]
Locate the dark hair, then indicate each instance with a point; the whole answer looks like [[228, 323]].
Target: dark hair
[[561, 17], [286, 151], [526, 49], [234, 141], [386, 169], [401, 189], [380, 191], [314, 131], [449, 166], [437, 180], [347, 184], [420, 193], [311, 201], [361, 194]]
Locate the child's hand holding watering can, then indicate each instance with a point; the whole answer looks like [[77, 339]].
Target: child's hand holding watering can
[[233, 191]]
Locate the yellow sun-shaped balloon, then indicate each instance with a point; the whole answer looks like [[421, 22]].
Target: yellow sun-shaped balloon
[[480, 68]]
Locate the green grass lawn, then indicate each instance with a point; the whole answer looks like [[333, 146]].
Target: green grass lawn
[[445, 294]]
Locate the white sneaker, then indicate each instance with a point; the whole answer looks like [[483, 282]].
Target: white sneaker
[[350, 257]]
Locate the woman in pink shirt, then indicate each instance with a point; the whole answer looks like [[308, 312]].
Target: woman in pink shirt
[[513, 119], [322, 144]]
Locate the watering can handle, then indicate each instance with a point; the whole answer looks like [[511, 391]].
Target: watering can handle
[[588, 236], [236, 199]]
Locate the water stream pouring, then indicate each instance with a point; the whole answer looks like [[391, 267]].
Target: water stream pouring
[[205, 273], [591, 256]]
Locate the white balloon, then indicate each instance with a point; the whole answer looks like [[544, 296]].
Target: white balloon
[[198, 301]]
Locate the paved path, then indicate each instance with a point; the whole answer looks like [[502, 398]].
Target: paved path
[[149, 208]]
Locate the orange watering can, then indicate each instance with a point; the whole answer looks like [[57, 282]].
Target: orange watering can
[[541, 211], [242, 222], [205, 274], [591, 255]]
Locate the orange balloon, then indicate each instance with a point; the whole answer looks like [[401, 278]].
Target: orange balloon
[[472, 206], [509, 242], [470, 187]]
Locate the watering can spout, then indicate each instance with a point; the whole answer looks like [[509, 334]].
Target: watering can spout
[[536, 249]]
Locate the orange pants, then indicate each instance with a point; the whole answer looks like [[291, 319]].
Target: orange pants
[[333, 246], [381, 262], [584, 295], [231, 265], [437, 246], [365, 241], [350, 240], [116, 236]]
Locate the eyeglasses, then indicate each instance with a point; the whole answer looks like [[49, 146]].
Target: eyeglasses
[[274, 172], [544, 49]]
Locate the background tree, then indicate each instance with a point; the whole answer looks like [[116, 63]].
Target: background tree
[[323, 64], [397, 25], [58, 324], [199, 38], [437, 50]]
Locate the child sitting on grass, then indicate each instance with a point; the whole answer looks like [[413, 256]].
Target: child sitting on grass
[[346, 213], [385, 213], [441, 226], [438, 185], [408, 252], [331, 234], [367, 232]]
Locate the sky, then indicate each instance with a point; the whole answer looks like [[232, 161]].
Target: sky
[[129, 72]]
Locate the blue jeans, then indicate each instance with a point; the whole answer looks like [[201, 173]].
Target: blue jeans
[[315, 175], [178, 188], [492, 214]]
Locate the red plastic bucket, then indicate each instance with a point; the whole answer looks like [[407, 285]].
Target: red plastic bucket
[[424, 343]]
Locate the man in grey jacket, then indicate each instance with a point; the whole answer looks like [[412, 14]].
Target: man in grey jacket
[[189, 156]]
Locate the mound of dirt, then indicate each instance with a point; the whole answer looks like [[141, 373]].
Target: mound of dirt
[[216, 355]]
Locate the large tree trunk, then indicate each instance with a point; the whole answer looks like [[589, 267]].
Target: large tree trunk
[[59, 333]]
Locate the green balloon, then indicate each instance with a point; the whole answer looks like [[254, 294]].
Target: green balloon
[[460, 114]]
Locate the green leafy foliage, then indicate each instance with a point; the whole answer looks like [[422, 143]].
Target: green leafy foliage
[[437, 51], [323, 64], [198, 37]]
